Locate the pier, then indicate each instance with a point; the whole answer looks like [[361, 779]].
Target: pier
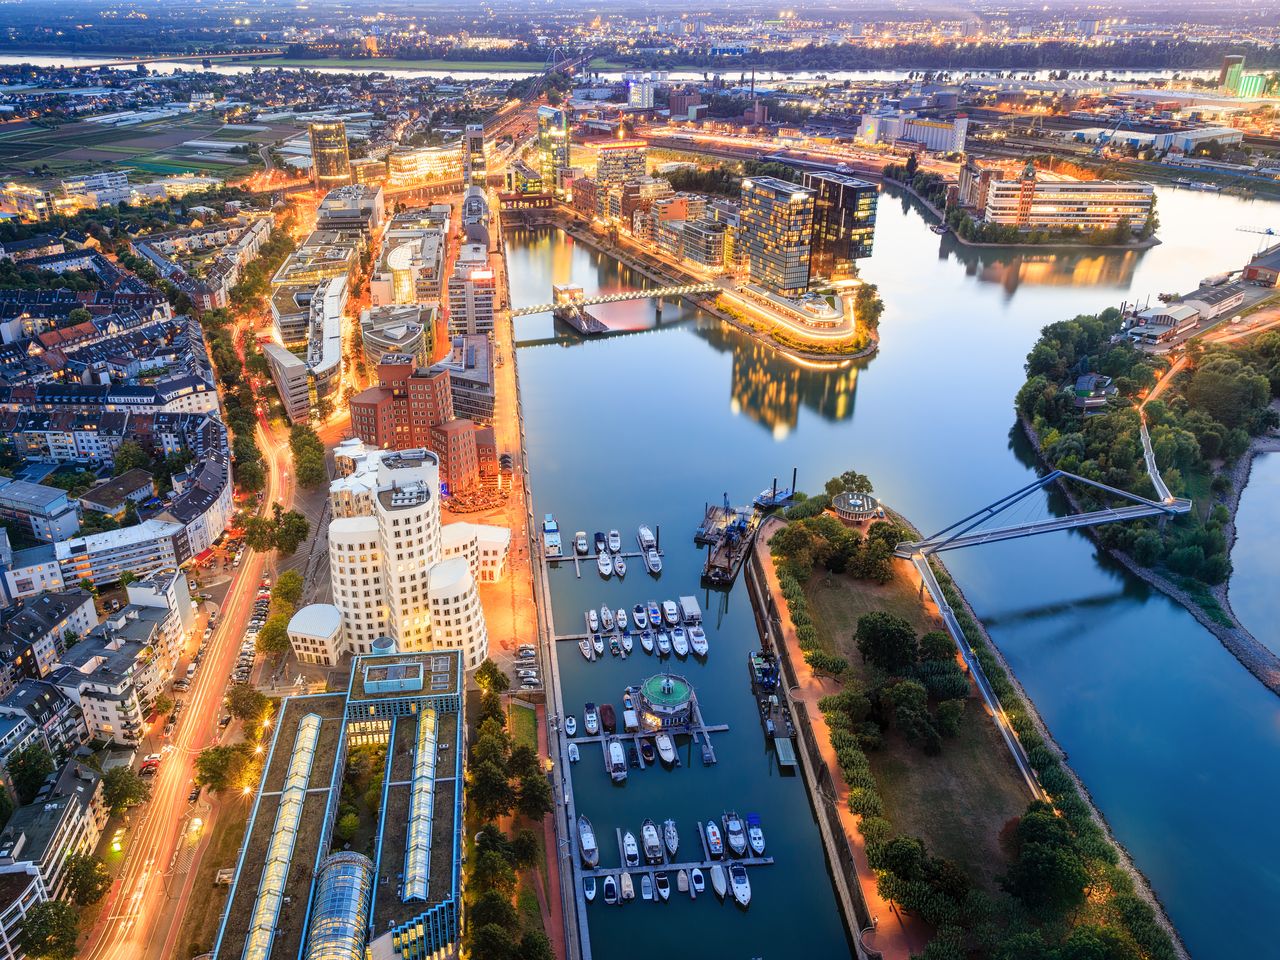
[[579, 558], [674, 866]]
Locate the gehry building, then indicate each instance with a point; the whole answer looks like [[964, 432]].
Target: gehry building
[[395, 569], [296, 892]]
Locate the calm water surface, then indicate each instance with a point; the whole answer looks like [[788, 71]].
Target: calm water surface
[[1179, 745], [1257, 552]]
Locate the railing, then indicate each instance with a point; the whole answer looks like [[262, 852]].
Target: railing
[[650, 293]]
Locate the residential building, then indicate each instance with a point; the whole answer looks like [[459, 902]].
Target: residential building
[[141, 549], [640, 91], [457, 619], [100, 189], [330, 161], [407, 330], [777, 231], [844, 222], [45, 511], [472, 292], [303, 388], [620, 160], [114, 496], [66, 818], [289, 371], [35, 630], [21, 888], [471, 380], [355, 207], [54, 714], [315, 632]]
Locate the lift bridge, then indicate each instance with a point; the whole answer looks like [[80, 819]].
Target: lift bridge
[[967, 533]]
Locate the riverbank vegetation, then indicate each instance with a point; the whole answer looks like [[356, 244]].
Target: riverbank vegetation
[[944, 812], [1200, 425], [725, 179]]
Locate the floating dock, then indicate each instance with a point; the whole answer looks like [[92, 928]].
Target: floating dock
[[728, 533], [775, 715]]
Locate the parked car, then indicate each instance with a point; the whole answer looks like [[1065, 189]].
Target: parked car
[[194, 795], [527, 674]]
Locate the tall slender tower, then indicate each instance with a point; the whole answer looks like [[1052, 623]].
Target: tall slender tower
[[474, 167], [330, 162]]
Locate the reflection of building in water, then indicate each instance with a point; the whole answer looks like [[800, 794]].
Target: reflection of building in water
[[770, 389], [1062, 270]]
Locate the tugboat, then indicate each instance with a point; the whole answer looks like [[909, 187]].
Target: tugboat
[[670, 837], [630, 850], [650, 841], [587, 843]]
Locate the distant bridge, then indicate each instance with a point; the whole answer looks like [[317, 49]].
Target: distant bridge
[[650, 293]]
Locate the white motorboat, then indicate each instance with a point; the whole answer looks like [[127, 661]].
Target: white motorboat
[[741, 885], [655, 614], [597, 644], [664, 644], [618, 764], [698, 641], [719, 882], [735, 833], [627, 644], [604, 563], [571, 725], [619, 566], [630, 850], [651, 842], [574, 755], [670, 613], [646, 642], [714, 844], [666, 748], [664, 885], [670, 837], [755, 835], [653, 561], [679, 642], [587, 848], [591, 719], [615, 541], [697, 883], [620, 617], [628, 888], [645, 537], [682, 880], [551, 536], [610, 890], [646, 887], [580, 542], [589, 888], [600, 542], [585, 646], [639, 617], [593, 622], [606, 618]]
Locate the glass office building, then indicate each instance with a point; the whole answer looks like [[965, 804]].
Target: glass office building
[[475, 168], [330, 162], [553, 142], [844, 223], [777, 231]]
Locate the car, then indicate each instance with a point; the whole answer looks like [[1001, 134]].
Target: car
[[181, 684], [225, 721], [528, 683], [526, 674], [168, 730], [194, 795], [193, 585], [115, 605], [526, 650]]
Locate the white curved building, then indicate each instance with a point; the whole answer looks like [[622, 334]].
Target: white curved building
[[457, 621], [316, 634], [355, 571]]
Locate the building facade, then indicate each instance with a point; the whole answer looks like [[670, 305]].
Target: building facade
[[844, 223], [777, 231], [330, 161]]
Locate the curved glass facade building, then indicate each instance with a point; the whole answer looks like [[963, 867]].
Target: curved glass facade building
[[330, 162], [340, 908]]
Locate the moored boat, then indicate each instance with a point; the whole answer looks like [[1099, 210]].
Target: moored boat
[[591, 719], [735, 833], [670, 837], [580, 542], [639, 617], [697, 883], [646, 538], [741, 885], [670, 613], [679, 642], [597, 643], [604, 563], [610, 886], [615, 541], [646, 642], [587, 847], [647, 751], [653, 561], [715, 845], [664, 644], [698, 641], [627, 644], [719, 883], [593, 621], [628, 888], [646, 887], [571, 725], [666, 748], [630, 850], [682, 880], [620, 615], [574, 755], [606, 618], [551, 537], [608, 719], [663, 884], [614, 647], [600, 542], [585, 646], [617, 762], [755, 834], [655, 614], [589, 888], [650, 842], [619, 566]]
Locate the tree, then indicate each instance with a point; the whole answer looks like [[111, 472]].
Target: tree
[[525, 849], [490, 790], [28, 770], [534, 945], [49, 931], [1049, 879], [493, 907], [535, 796], [246, 703], [224, 767], [273, 638], [127, 577], [122, 788], [86, 878], [937, 645], [492, 870], [164, 704], [291, 530], [259, 533], [347, 826], [129, 456], [492, 942], [490, 677], [523, 761], [288, 588], [886, 641]]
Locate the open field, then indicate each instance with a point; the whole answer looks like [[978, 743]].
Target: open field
[[390, 63], [959, 801]]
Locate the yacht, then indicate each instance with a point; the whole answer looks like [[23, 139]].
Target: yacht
[[697, 883], [606, 618], [646, 642], [585, 646], [679, 642], [571, 725], [589, 888], [651, 842], [653, 561], [615, 541], [610, 890], [714, 844], [670, 837], [647, 751], [618, 765], [580, 542], [600, 542], [587, 843], [619, 566], [698, 641], [664, 645], [670, 613], [608, 720], [666, 748], [664, 885], [639, 617], [551, 536], [646, 887], [597, 643], [735, 833], [755, 835], [741, 885], [593, 621], [620, 617], [645, 537], [627, 644], [604, 563], [655, 615], [574, 755], [719, 883], [630, 850], [591, 720], [628, 888]]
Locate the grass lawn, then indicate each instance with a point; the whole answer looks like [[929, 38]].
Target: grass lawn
[[388, 63], [959, 801], [524, 726], [204, 909]]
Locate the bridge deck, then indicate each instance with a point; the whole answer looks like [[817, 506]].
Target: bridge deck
[[620, 297]]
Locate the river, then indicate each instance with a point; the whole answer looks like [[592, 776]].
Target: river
[[1253, 558], [1178, 744]]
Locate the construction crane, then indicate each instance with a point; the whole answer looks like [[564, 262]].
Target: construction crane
[[1266, 231], [1104, 139]]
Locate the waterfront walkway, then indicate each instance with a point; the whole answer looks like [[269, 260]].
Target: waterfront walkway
[[897, 936]]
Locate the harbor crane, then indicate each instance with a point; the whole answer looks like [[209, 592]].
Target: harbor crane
[[1265, 231]]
